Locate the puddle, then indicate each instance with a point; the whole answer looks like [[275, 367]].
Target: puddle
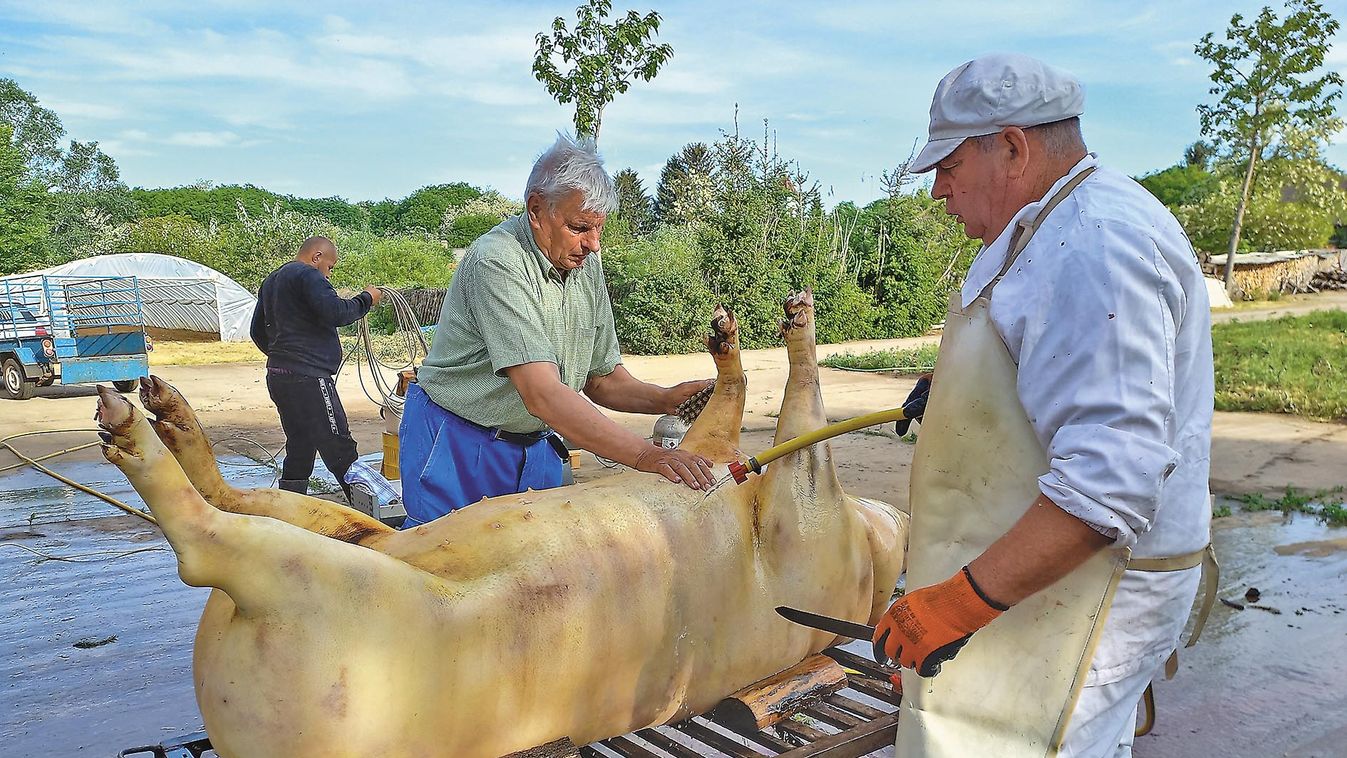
[[61, 699], [1264, 680], [1316, 549]]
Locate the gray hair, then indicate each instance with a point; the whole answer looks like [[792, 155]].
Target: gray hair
[[1056, 136], [572, 164]]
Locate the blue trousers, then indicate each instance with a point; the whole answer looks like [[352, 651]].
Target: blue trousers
[[447, 462]]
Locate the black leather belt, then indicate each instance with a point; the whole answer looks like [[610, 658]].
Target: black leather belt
[[523, 439]]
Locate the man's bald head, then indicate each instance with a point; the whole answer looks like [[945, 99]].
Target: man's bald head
[[320, 253]]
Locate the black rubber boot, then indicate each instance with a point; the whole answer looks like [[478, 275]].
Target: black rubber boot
[[296, 485]]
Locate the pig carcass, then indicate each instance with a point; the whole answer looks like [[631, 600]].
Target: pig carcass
[[581, 612]]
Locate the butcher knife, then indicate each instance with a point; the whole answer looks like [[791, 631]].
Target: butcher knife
[[844, 628]]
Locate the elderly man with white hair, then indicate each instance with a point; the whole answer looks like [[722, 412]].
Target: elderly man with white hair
[[1059, 495], [526, 327]]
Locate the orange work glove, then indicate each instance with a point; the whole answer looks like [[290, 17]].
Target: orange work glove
[[926, 627]]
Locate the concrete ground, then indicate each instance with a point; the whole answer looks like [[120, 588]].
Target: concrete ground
[[1259, 679]]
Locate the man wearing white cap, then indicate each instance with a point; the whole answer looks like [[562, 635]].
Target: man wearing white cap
[[1069, 421]]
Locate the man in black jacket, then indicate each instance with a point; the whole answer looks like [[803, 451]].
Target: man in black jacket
[[295, 324]]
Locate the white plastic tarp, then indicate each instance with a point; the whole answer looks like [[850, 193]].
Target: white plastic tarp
[[176, 293]]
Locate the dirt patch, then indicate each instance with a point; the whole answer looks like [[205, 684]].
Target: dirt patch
[[1315, 549]]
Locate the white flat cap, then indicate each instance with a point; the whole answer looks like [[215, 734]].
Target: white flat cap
[[987, 94]]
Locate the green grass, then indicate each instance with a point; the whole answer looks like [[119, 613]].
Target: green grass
[[1326, 505], [911, 361], [1294, 364]]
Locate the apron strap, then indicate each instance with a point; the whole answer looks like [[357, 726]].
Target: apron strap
[[1211, 579], [1028, 227]]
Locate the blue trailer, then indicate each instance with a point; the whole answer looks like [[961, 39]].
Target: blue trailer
[[72, 329]]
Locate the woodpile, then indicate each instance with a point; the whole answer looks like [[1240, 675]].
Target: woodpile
[[1333, 279], [1256, 280], [426, 304], [1259, 274]]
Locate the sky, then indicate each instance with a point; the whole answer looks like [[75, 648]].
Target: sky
[[372, 100]]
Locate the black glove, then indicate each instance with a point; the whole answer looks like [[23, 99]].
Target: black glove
[[914, 408]]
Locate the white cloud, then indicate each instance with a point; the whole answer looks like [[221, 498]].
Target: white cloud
[[379, 98], [119, 149], [72, 109], [203, 139]]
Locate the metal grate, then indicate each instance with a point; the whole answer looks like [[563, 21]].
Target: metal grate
[[195, 745]]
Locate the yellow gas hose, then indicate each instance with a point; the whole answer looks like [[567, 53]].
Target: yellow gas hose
[[741, 470]]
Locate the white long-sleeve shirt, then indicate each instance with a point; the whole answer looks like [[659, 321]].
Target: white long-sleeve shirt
[[1105, 313]]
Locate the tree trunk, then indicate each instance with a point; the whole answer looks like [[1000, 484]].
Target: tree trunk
[[1239, 221]]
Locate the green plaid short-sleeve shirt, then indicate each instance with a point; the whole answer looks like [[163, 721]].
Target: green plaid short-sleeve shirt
[[508, 305]]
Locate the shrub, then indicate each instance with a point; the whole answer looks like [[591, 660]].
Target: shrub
[[182, 236], [1269, 223], [400, 261], [660, 302]]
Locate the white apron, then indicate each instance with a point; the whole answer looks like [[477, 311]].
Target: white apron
[[1012, 688]]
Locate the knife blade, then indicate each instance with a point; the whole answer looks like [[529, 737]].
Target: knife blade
[[839, 626], [826, 623]]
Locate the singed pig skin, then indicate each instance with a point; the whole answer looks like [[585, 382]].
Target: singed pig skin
[[583, 612]]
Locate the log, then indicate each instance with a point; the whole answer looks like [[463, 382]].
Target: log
[[767, 702], [562, 748]]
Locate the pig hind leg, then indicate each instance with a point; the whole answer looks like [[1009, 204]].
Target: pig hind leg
[[263, 565], [180, 430]]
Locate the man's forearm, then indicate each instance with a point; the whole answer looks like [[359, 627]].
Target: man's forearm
[[581, 424], [1046, 544], [620, 391]]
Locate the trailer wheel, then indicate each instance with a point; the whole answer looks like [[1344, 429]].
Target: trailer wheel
[[126, 385], [13, 383]]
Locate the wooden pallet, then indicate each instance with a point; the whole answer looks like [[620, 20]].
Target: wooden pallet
[[858, 718]]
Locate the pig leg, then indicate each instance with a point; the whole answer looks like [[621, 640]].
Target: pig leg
[[266, 567], [800, 507], [715, 433], [194, 529], [802, 407], [803, 484], [181, 432]]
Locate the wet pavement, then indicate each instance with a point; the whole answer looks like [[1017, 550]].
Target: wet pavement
[[1259, 683], [28, 496], [65, 700], [1264, 682]]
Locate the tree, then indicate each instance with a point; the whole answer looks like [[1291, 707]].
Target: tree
[[37, 131], [462, 224], [1199, 154], [23, 224], [1295, 200], [1264, 87], [633, 204], [424, 209], [1183, 184], [82, 193], [684, 192], [603, 59]]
